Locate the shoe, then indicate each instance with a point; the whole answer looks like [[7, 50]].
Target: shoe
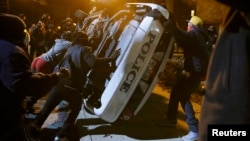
[[191, 136], [61, 136], [95, 99], [57, 138], [167, 123], [67, 133]]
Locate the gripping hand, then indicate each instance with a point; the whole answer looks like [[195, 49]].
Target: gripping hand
[[63, 74], [115, 54]]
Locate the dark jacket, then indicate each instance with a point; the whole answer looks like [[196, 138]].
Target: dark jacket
[[227, 97], [193, 44], [79, 59], [16, 82]]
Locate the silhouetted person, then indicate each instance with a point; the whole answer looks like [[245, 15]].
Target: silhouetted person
[[227, 97], [18, 81]]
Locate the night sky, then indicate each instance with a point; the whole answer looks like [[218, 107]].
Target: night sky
[[58, 9]]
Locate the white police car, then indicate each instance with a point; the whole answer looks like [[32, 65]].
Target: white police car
[[122, 88]]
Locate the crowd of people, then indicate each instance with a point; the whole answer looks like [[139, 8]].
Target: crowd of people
[[45, 60], [54, 64], [44, 32]]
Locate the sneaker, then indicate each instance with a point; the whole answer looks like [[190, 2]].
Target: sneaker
[[191, 136], [167, 123], [61, 136], [67, 133], [57, 138]]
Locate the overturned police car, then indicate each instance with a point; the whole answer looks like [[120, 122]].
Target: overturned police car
[[120, 90]]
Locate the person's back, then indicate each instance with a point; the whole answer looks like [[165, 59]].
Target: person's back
[[46, 62], [79, 59], [74, 60], [56, 53], [193, 42]]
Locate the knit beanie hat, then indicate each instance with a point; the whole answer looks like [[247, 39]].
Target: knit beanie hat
[[12, 28]]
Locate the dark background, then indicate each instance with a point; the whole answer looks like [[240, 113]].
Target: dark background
[[57, 9], [60, 9], [34, 9]]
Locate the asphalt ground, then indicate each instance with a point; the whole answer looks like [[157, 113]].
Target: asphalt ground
[[141, 127]]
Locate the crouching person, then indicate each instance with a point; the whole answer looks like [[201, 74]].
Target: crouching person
[[79, 59]]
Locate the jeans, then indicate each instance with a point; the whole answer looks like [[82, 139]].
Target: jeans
[[181, 92]]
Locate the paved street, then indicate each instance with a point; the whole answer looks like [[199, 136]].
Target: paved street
[[139, 128]]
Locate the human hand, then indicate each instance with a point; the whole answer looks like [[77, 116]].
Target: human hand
[[115, 54], [63, 74], [169, 26], [156, 14]]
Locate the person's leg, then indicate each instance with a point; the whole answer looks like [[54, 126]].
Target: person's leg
[[75, 103], [187, 106], [175, 95], [172, 111], [54, 98], [191, 120], [191, 84], [37, 65]]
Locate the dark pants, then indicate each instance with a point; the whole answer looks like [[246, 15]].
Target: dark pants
[[55, 96], [181, 92]]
